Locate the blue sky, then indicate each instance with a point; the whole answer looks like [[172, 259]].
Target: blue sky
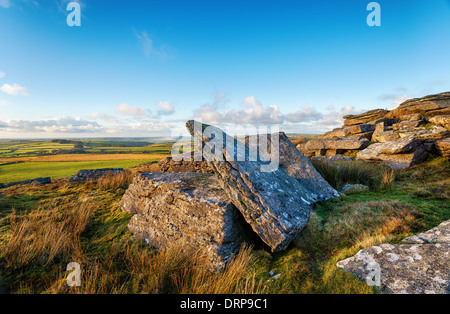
[[142, 68]]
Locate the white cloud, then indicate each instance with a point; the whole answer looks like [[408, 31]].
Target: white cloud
[[4, 102], [2, 74], [57, 125], [166, 108], [14, 90], [5, 4], [103, 116], [127, 110], [308, 119], [306, 115]]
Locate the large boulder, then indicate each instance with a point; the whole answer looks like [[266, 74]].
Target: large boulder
[[420, 267], [273, 203], [293, 162], [432, 105], [186, 209]]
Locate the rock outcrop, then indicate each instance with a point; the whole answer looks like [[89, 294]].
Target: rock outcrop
[[426, 119], [419, 267], [428, 106]]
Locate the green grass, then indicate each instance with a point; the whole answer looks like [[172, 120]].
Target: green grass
[[38, 148], [30, 170]]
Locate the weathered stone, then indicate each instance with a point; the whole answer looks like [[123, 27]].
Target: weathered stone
[[293, 162], [432, 105], [384, 137], [380, 127], [302, 149], [440, 234], [183, 163], [354, 188], [362, 128], [336, 133], [366, 117], [410, 117], [276, 206], [343, 144], [399, 154], [405, 125], [361, 137], [184, 208], [443, 148], [441, 120], [430, 135], [403, 269], [93, 174]]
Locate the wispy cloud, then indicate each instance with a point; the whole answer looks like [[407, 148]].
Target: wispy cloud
[[102, 116], [5, 3], [165, 108], [14, 90], [149, 47], [2, 74], [127, 110]]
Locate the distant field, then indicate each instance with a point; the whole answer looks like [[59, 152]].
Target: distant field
[[26, 159], [19, 149], [31, 170], [84, 157]]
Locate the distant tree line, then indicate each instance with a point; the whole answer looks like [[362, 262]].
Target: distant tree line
[[78, 147]]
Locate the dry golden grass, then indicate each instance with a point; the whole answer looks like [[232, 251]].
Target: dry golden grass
[[67, 229], [356, 222], [44, 233], [85, 157], [114, 181]]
